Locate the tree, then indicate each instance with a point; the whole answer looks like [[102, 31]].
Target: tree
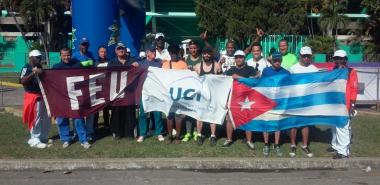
[[373, 25], [238, 19], [332, 17]]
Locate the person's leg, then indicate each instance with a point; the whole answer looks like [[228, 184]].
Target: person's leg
[[106, 116], [46, 122], [96, 119], [157, 117], [230, 131], [142, 122], [293, 137], [63, 129], [343, 140], [35, 131], [277, 135], [333, 139], [266, 138], [115, 114], [199, 127], [80, 127], [248, 136], [305, 136], [213, 129], [89, 122], [130, 121]]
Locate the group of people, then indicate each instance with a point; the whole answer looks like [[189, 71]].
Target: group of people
[[235, 63]]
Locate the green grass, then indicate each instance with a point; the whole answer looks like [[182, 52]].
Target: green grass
[[13, 138]]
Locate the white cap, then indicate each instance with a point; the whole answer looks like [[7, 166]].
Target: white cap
[[142, 54], [306, 50], [35, 53], [239, 53], [159, 35], [340, 53], [120, 44], [128, 50]]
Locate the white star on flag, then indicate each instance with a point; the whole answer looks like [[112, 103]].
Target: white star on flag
[[246, 104]]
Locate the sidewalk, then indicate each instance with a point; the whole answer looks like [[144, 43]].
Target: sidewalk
[[190, 164]]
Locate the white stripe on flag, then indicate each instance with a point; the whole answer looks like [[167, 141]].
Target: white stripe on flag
[[319, 110], [302, 90]]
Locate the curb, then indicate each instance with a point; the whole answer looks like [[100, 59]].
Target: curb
[[189, 164], [10, 84]]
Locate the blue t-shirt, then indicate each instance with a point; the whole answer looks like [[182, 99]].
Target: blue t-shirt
[[32, 86], [270, 71], [71, 64], [154, 63], [78, 56]]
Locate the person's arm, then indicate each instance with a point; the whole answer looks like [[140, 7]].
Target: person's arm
[[197, 68], [25, 79], [218, 68], [236, 76], [257, 38]]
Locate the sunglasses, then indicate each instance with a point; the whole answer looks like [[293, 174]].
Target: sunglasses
[[338, 58], [120, 48], [276, 60], [306, 56]]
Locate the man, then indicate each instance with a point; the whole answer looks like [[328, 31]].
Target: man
[[161, 52], [34, 113], [63, 123], [288, 59], [275, 69], [207, 66], [150, 61], [84, 56], [257, 61], [227, 59], [192, 59], [241, 70], [303, 66], [174, 63], [341, 136], [86, 59], [123, 118]]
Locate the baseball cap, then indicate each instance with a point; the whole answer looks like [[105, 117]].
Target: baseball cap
[[128, 50], [158, 35], [84, 40], [120, 45], [340, 53], [142, 54], [150, 48], [306, 50], [35, 53], [239, 53], [276, 56]]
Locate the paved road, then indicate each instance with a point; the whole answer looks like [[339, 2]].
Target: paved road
[[178, 177]]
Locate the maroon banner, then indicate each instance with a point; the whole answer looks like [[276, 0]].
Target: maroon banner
[[76, 93]]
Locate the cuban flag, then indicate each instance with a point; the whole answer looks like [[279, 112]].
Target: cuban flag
[[286, 101]]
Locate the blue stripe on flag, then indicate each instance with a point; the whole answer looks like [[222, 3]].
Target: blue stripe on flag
[[292, 122], [296, 79], [310, 100]]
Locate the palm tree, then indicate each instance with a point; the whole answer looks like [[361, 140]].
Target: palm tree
[[331, 18]]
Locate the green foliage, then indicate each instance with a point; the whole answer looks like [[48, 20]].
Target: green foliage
[[321, 44], [373, 26], [331, 17], [239, 19]]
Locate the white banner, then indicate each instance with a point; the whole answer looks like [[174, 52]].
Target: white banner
[[184, 92]]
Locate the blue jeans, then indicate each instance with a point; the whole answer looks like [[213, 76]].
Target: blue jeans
[[64, 129]]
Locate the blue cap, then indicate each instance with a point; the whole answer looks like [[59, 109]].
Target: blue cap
[[276, 56], [151, 48], [84, 40]]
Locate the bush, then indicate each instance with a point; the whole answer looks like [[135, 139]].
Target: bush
[[321, 44]]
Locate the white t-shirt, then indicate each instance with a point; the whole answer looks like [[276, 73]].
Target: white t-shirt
[[229, 61], [298, 68], [262, 63], [164, 55]]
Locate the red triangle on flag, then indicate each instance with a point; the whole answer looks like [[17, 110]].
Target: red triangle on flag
[[247, 103]]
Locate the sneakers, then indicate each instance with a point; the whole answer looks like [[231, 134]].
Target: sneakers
[[187, 137], [196, 136], [307, 151], [212, 140], [250, 145], [278, 151], [266, 150], [201, 139], [293, 150], [65, 144], [227, 143], [340, 156], [160, 138], [140, 139], [39, 145], [86, 145]]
